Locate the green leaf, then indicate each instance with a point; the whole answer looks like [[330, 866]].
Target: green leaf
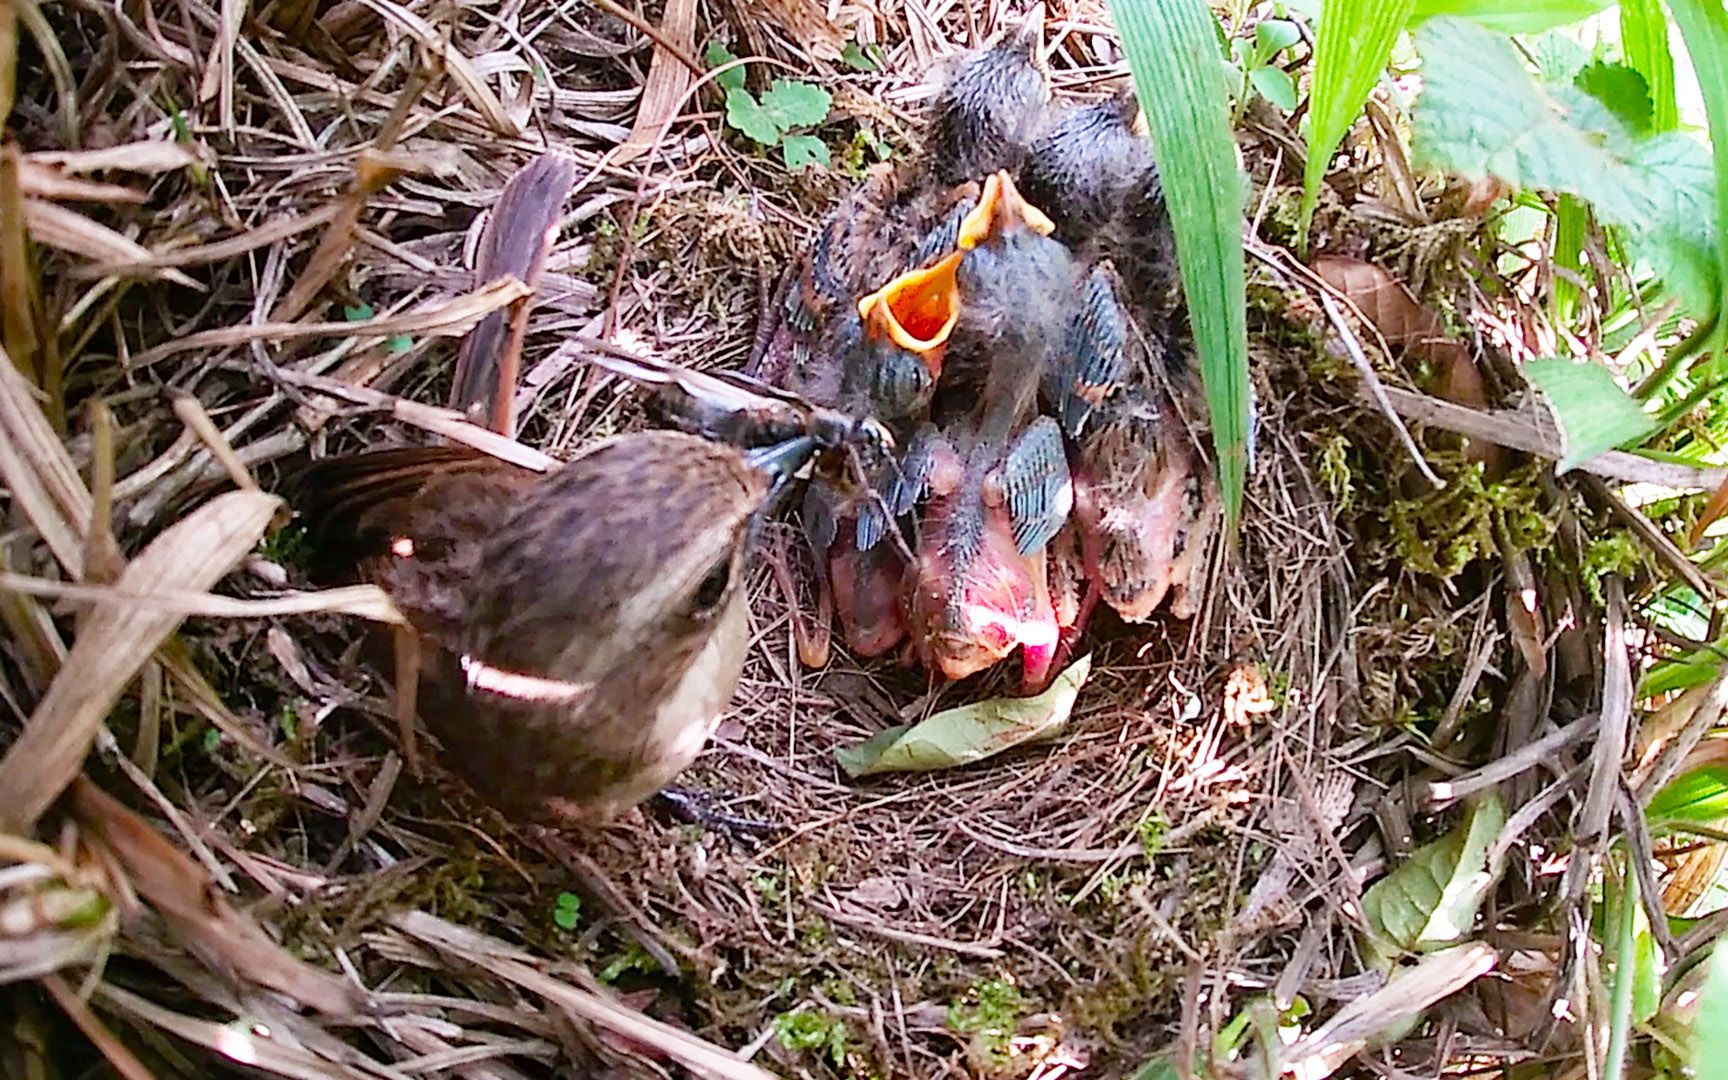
[[1644, 40], [1350, 51], [1704, 27], [567, 911], [1710, 1023], [796, 104], [1481, 114], [1430, 901], [1621, 91], [1518, 17], [802, 150], [1594, 413], [1274, 36], [1172, 49], [1696, 797], [744, 113], [730, 79], [1275, 85], [860, 58], [968, 733], [358, 312]]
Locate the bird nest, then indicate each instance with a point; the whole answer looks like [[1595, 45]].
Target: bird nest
[[288, 279]]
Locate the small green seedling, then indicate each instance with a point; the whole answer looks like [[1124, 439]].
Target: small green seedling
[[566, 910], [774, 119], [1253, 68]]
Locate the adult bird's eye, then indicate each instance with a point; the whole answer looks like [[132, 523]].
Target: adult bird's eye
[[712, 588]]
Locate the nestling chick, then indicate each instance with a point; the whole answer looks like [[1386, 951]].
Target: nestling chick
[[1092, 170], [987, 108]]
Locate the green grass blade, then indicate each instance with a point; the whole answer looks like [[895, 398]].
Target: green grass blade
[[1172, 48], [1518, 17], [1571, 223], [1704, 27], [1350, 52], [1644, 37]]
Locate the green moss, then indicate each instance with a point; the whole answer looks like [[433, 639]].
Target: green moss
[[1616, 553], [810, 1030], [988, 1013]]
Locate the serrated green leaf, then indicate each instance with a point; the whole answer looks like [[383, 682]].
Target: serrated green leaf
[[858, 58], [1621, 91], [1558, 56], [1515, 17], [1276, 86], [1172, 49], [796, 104], [1273, 36], [1482, 114], [1594, 413], [1431, 899], [747, 115], [802, 150], [1710, 1022], [1351, 49], [968, 733], [1644, 40], [1696, 797], [732, 78]]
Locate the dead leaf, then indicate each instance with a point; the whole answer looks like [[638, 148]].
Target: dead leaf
[[65, 230], [115, 642], [668, 83], [182, 893], [969, 733]]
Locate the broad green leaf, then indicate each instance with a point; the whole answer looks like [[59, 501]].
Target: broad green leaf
[[1350, 52], [970, 732], [1274, 36], [747, 115], [1481, 113], [1516, 17], [730, 79], [1159, 1068], [1594, 413], [1644, 40], [1710, 1022], [802, 150], [1172, 49], [862, 58], [1704, 27], [1430, 901], [1621, 91], [1275, 85], [796, 104], [1696, 797]]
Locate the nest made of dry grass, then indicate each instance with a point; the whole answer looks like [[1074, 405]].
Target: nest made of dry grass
[[1198, 837]]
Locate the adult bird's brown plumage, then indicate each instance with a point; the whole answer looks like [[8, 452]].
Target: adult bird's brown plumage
[[575, 634]]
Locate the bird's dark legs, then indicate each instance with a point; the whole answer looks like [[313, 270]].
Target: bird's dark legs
[[692, 806]]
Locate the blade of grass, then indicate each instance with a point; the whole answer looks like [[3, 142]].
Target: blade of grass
[[1350, 52], [1625, 956], [1172, 49], [1522, 17], [1644, 38]]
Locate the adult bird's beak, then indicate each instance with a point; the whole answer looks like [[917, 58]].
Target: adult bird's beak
[[918, 310], [1000, 205]]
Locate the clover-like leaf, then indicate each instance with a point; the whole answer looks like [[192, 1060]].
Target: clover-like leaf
[[1274, 36], [796, 104], [746, 114], [730, 79], [804, 150]]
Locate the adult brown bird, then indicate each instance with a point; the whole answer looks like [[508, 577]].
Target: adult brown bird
[[575, 634]]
